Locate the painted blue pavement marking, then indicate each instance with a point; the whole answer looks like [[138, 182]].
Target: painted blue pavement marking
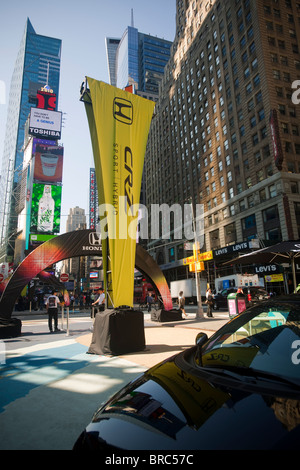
[[21, 374]]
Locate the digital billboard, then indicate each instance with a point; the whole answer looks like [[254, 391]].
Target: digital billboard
[[45, 123], [45, 208], [48, 166]]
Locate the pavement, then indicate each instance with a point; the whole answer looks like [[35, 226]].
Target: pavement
[[50, 387]]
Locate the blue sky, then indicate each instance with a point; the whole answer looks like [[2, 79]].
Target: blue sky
[[82, 26]]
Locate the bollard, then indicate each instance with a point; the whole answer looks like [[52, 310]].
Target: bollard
[[62, 317], [68, 311]]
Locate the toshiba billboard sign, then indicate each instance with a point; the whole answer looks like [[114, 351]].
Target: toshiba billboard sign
[[44, 123]]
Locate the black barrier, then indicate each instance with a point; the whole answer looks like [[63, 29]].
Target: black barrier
[[119, 331], [166, 315]]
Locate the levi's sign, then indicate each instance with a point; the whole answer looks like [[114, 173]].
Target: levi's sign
[[231, 249]]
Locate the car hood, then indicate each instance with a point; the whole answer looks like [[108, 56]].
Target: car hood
[[171, 408]]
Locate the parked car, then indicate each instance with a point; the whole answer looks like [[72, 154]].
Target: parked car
[[253, 295], [238, 389]]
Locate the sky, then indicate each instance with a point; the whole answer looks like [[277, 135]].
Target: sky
[[82, 26]]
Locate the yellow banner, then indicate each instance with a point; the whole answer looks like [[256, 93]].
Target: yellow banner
[[119, 124], [274, 278]]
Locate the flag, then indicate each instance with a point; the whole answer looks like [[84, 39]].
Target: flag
[[119, 126]]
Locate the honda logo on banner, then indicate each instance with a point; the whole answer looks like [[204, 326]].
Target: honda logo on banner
[[94, 243], [123, 111]]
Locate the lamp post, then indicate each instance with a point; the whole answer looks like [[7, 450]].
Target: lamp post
[[200, 312]]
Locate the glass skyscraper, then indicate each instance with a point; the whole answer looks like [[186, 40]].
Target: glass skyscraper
[[137, 59], [111, 50], [37, 65]]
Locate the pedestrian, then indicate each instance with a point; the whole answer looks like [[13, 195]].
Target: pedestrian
[[209, 302], [149, 300], [52, 304], [101, 300], [181, 302]]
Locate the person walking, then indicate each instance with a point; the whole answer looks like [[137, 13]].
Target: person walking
[[209, 302], [149, 300], [181, 302], [52, 304], [100, 300]]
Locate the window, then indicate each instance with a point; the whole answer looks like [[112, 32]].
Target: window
[[273, 234], [272, 190], [294, 187], [253, 121], [249, 222], [262, 195], [242, 205], [255, 139]]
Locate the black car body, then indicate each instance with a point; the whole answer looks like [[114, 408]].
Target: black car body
[[253, 295], [239, 390]]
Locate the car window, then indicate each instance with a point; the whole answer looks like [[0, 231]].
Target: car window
[[265, 339]]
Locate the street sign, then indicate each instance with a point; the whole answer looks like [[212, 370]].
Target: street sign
[[205, 256], [64, 277]]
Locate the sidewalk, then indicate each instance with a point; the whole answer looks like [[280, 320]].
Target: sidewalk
[[49, 391]]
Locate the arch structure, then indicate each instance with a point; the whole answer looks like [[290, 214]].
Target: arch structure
[[71, 245]]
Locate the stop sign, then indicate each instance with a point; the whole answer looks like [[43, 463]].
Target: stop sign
[[64, 277]]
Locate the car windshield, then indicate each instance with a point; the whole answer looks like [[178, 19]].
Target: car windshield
[[264, 338]]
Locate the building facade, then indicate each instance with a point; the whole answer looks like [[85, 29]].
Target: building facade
[[37, 64], [226, 133]]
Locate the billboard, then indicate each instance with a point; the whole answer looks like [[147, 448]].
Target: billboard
[[48, 166], [46, 99], [44, 123], [45, 208]]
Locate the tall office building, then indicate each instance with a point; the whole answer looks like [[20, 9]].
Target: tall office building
[[137, 59], [226, 132], [111, 51], [37, 65], [76, 221]]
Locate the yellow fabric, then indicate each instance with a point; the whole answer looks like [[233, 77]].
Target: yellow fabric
[[119, 123]]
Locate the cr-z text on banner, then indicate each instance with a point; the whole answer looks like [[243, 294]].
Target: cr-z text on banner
[[119, 125]]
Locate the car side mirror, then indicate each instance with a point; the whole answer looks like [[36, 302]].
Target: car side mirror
[[201, 339]]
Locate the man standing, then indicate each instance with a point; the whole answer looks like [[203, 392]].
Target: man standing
[[52, 304], [100, 301]]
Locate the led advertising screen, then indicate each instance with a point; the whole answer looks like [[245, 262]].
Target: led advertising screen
[[45, 208], [44, 123], [48, 166]]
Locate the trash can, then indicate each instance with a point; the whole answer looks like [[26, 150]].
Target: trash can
[[236, 304]]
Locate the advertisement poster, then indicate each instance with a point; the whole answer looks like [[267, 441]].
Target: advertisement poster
[[45, 123], [119, 125], [48, 167], [45, 208]]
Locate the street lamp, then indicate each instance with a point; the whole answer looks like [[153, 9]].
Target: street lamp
[[200, 312]]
